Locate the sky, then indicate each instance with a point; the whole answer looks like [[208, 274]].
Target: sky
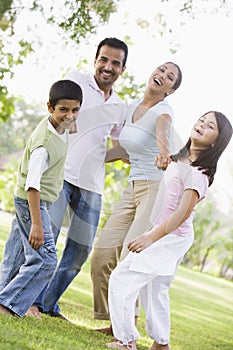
[[204, 53]]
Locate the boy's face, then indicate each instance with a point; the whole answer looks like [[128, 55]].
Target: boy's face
[[64, 114]]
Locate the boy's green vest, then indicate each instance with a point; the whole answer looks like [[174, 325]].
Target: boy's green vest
[[52, 179]]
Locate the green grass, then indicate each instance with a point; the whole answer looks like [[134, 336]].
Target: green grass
[[201, 315]]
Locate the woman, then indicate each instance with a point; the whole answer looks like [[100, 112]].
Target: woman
[[147, 133]]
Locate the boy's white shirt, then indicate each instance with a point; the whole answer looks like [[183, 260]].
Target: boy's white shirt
[[39, 160]]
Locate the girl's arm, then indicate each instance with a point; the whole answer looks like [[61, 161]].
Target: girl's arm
[[36, 236], [163, 128], [188, 201]]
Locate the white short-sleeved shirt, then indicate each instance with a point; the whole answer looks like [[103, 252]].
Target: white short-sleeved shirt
[[98, 119], [139, 140]]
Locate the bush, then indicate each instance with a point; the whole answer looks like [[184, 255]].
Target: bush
[[7, 185]]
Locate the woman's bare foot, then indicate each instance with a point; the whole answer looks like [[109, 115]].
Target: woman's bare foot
[[156, 346], [107, 330], [5, 311], [33, 311]]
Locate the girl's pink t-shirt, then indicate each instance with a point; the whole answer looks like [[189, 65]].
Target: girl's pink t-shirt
[[177, 178]]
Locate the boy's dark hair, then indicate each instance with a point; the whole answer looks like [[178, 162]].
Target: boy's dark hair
[[65, 90], [179, 78], [116, 44], [208, 159]]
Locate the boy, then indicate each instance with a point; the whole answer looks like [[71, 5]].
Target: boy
[[45, 152]]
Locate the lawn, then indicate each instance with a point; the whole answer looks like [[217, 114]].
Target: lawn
[[201, 315]]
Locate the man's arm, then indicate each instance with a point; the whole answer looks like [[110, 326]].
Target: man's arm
[[116, 153]]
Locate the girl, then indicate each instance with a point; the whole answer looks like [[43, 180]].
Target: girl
[[155, 256]]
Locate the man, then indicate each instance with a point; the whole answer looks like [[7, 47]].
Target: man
[[102, 115]]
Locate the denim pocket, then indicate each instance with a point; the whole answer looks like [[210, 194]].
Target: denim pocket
[[22, 209], [49, 243]]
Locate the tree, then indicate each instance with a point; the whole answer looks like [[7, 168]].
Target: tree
[[212, 247], [74, 20], [205, 224], [11, 54], [7, 185], [224, 252], [15, 131]]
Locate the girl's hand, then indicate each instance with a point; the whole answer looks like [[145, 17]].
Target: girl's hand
[[141, 243], [162, 161]]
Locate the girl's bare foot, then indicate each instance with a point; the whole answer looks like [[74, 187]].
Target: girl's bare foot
[[5, 311], [156, 346], [119, 345]]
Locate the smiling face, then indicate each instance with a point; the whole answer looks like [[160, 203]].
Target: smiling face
[[205, 131], [163, 79], [64, 114], [108, 66]]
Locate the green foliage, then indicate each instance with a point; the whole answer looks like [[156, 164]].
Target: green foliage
[[79, 18], [205, 224], [7, 185], [76, 18], [128, 90], [116, 180], [223, 253], [6, 14], [12, 53], [14, 134], [213, 245], [15, 131], [6, 103]]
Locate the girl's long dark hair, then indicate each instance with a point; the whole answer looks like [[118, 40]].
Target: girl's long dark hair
[[208, 159]]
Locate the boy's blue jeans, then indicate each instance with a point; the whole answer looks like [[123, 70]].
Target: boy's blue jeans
[[27, 271], [13, 256], [84, 210]]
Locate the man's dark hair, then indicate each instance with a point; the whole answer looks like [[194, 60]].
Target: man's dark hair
[[116, 44]]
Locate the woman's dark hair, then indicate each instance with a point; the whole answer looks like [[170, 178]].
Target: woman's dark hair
[[116, 44], [179, 78], [65, 90], [208, 159]]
